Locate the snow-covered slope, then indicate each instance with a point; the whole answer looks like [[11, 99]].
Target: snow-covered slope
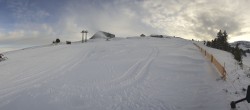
[[238, 78], [121, 74], [242, 44]]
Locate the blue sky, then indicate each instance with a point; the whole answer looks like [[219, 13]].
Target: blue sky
[[37, 22], [14, 12]]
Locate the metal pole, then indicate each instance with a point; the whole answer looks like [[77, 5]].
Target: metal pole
[[233, 103], [82, 35], [86, 35]]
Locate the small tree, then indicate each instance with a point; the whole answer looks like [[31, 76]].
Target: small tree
[[57, 40], [225, 44], [208, 43], [244, 53], [142, 35], [237, 54], [248, 50], [219, 34]]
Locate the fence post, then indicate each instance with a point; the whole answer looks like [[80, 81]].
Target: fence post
[[224, 71]]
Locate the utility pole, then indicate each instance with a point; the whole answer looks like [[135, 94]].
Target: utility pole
[[83, 35]]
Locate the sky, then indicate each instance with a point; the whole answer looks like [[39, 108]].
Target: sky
[[37, 22]]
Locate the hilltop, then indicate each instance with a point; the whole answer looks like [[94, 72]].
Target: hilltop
[[131, 74]]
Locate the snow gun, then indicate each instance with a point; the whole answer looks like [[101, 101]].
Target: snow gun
[[233, 103]]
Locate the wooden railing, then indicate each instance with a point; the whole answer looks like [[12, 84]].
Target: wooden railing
[[214, 61]]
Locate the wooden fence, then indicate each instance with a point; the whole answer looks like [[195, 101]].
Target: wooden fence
[[214, 61]]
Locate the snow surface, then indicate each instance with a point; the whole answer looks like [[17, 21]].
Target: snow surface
[[237, 77], [121, 74]]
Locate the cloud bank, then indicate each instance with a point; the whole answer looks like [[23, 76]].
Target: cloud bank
[[35, 22]]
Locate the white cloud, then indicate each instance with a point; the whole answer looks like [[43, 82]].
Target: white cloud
[[119, 18], [197, 18], [29, 35]]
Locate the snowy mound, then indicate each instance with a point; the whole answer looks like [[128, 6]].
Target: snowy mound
[[102, 35], [127, 74]]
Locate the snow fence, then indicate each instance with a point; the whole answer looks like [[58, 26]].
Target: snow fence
[[214, 61]]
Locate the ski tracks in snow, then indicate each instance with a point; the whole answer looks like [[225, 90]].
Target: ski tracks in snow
[[128, 85], [135, 74]]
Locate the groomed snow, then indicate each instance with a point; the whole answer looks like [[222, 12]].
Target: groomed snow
[[121, 74]]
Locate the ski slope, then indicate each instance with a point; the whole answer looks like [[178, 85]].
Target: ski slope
[[121, 74]]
